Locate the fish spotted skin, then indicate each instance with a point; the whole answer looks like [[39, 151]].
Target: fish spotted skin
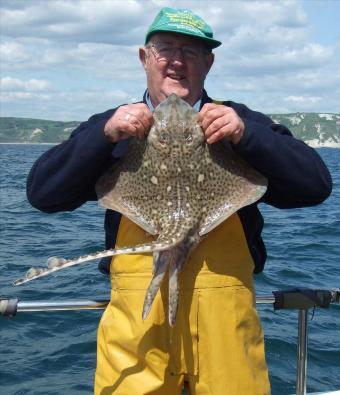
[[177, 187]]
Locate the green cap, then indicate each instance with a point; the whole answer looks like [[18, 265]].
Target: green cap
[[182, 21]]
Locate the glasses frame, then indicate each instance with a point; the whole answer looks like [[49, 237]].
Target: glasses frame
[[189, 52]]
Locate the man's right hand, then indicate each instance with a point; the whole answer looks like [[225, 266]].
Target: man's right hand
[[131, 120]]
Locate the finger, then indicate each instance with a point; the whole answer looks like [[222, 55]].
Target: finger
[[230, 132], [140, 110], [208, 119], [141, 124], [141, 117], [224, 132], [206, 107], [130, 120], [133, 126], [217, 124], [146, 119], [202, 117], [213, 114], [129, 128], [209, 109], [141, 131]]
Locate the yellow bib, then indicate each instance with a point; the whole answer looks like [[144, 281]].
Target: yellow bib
[[224, 252], [216, 344]]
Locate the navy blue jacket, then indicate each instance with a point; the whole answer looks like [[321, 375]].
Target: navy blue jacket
[[64, 177]]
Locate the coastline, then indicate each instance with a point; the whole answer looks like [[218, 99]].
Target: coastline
[[335, 145], [327, 144], [311, 143], [16, 143]]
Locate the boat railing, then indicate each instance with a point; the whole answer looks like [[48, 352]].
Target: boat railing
[[301, 299]]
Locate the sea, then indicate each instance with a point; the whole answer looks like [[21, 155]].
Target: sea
[[55, 352]]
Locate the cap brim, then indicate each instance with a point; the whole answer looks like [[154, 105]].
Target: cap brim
[[209, 42]]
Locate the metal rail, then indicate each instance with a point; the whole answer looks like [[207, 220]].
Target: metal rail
[[62, 305], [301, 370], [296, 299], [74, 305]]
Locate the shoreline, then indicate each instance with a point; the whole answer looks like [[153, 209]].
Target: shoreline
[[313, 145], [29, 143]]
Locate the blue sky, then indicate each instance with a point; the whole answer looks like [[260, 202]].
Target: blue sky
[[69, 59]]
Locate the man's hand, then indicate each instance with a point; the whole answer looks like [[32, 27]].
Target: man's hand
[[219, 122], [131, 120]]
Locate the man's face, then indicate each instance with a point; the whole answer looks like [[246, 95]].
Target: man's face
[[175, 63]]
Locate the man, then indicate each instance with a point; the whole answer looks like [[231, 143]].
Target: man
[[216, 345]]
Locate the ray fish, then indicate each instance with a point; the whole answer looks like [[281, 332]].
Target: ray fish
[[175, 186]]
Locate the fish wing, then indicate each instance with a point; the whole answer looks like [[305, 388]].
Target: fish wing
[[128, 188], [229, 184]]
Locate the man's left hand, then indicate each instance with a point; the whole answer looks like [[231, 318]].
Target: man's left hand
[[220, 122]]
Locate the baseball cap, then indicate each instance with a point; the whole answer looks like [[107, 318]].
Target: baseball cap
[[182, 21]]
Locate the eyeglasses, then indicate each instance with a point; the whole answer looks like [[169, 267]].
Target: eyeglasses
[[165, 51]]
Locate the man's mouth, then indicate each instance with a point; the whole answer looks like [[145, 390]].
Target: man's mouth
[[176, 77]]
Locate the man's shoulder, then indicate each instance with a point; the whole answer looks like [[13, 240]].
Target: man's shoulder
[[103, 115], [106, 114], [242, 110]]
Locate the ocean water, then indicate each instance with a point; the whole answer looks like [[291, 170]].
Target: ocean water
[[55, 353]]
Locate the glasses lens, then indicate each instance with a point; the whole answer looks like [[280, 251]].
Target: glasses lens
[[164, 51]]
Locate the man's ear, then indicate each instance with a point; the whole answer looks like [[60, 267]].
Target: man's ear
[[143, 57], [209, 62]]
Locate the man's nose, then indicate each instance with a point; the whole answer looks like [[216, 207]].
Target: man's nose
[[177, 55]]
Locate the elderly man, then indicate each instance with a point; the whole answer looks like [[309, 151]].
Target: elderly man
[[216, 346]]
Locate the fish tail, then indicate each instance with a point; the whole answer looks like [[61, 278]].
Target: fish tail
[[160, 268], [55, 264], [173, 292]]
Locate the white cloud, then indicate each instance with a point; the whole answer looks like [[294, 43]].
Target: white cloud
[[84, 57], [13, 52], [100, 60], [16, 97], [58, 105], [76, 20], [15, 84], [283, 13], [303, 99], [279, 62]]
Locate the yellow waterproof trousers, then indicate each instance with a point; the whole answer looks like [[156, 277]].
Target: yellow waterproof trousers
[[216, 345]]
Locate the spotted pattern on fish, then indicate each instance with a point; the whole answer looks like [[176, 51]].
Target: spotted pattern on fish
[[173, 185]]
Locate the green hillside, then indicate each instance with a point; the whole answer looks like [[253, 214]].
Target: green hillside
[[324, 128], [316, 129], [26, 130]]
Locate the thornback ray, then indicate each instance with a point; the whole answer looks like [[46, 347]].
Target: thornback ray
[[177, 187]]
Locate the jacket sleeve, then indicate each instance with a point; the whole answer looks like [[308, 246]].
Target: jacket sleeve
[[297, 176], [63, 178]]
